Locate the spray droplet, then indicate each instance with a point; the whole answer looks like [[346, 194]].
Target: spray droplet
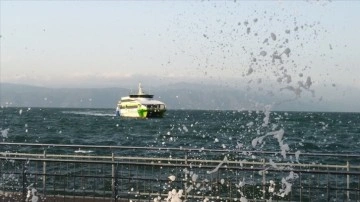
[[287, 51], [273, 36], [250, 71]]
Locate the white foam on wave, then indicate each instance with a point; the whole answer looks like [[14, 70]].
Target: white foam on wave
[[88, 113]]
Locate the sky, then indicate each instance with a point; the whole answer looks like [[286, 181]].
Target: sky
[[300, 47]]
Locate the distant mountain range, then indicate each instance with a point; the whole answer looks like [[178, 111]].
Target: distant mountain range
[[176, 96]]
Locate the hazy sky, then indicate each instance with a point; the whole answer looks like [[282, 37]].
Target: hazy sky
[[287, 45]]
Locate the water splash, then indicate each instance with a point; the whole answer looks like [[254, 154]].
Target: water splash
[[32, 194], [225, 160], [83, 151], [4, 133], [174, 196], [172, 178], [287, 184]]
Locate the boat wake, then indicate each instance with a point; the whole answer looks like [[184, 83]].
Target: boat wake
[[89, 113]]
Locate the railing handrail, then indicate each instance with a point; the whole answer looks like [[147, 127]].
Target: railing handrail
[[110, 159], [77, 146]]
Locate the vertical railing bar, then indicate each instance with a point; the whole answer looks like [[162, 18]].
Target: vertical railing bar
[[36, 175], [104, 179], [23, 181], [53, 177], [122, 173], [300, 175], [290, 196], [186, 163], [358, 188], [68, 180], [82, 174], [253, 179], [94, 182], [74, 179], [151, 187], [358, 191], [318, 180], [113, 175], [263, 177], [65, 181], [88, 179], [116, 181], [328, 186], [44, 174], [1, 175], [236, 179], [309, 187], [137, 181], [128, 181], [348, 180], [85, 179], [336, 185], [57, 182], [144, 184], [229, 181]]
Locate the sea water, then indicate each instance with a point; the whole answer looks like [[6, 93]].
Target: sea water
[[246, 130]]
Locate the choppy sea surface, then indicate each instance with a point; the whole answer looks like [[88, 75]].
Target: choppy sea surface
[[248, 130]]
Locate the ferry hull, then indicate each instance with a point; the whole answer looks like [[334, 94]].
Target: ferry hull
[[141, 113], [155, 114]]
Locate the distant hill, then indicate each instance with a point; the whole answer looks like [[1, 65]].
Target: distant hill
[[32, 96], [176, 96]]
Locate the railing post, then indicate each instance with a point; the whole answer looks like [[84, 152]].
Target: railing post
[[185, 185], [24, 180], [348, 180], [263, 178], [231, 198], [113, 188], [301, 188], [44, 174]]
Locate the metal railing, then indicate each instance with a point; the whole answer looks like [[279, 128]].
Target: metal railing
[[115, 173]]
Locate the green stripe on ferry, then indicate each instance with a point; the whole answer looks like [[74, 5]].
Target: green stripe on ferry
[[142, 112]]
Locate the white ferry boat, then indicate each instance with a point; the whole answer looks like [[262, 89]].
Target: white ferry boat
[[140, 105]]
